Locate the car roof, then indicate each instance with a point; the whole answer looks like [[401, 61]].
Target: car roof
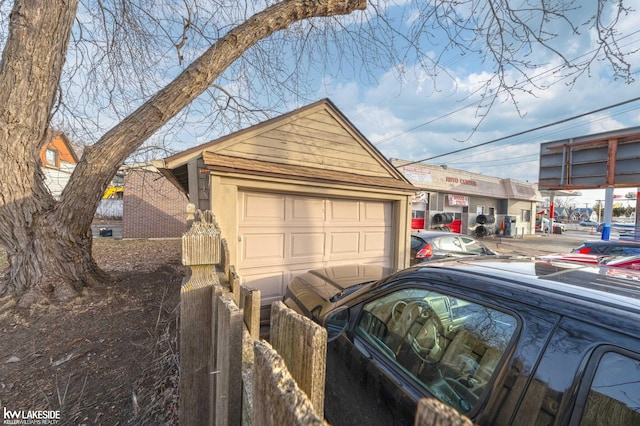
[[611, 242]]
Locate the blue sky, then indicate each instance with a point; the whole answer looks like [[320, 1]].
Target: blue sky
[[414, 121], [420, 116]]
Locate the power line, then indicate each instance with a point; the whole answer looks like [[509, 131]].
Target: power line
[[532, 138], [544, 126]]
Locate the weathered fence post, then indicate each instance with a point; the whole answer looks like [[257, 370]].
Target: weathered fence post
[[200, 252], [250, 304], [303, 345], [213, 359], [228, 401], [277, 398]]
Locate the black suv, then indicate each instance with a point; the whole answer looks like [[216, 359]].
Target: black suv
[[505, 342]]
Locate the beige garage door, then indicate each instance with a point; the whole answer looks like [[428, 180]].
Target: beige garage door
[[283, 235]]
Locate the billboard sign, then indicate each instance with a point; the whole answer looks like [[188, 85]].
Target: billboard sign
[[590, 162]]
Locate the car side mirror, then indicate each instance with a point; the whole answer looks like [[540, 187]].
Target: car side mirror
[[336, 322]]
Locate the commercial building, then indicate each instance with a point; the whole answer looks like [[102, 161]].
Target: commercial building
[[469, 203]]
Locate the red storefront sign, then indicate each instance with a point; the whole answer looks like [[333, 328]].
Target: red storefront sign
[[458, 200]]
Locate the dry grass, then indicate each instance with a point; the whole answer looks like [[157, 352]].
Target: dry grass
[[109, 357]]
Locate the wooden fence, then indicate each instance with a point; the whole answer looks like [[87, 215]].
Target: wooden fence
[[228, 376]]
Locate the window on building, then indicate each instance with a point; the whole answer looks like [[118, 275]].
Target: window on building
[[525, 215], [51, 157], [479, 209], [417, 214]]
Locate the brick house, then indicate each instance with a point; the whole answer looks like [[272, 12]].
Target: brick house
[[153, 207]]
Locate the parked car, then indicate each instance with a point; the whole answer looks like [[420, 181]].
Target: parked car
[[434, 245], [504, 341], [609, 247], [627, 262], [588, 223]]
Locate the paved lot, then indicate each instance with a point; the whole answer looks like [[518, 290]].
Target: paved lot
[[540, 244]]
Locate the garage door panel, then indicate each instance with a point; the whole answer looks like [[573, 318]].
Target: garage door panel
[[376, 213], [304, 245], [342, 212], [258, 208], [375, 242], [305, 210], [263, 247], [343, 243]]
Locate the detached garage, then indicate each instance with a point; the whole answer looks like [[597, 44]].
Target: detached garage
[[301, 191]]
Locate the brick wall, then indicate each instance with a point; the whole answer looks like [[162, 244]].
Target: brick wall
[[153, 206]]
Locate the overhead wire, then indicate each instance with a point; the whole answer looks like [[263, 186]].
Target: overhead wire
[[544, 126], [531, 139]]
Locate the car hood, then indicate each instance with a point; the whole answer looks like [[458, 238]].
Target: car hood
[[319, 290]]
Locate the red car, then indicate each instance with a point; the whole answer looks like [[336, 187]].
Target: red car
[[626, 262]]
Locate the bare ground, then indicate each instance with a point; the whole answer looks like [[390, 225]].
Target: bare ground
[[108, 358]]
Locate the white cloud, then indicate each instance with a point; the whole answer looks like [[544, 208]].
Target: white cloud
[[421, 118]]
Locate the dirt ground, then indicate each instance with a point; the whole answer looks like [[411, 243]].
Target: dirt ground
[[108, 358]]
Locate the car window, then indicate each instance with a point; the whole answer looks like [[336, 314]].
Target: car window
[[614, 395], [416, 243], [449, 346], [472, 246], [627, 251], [449, 243]]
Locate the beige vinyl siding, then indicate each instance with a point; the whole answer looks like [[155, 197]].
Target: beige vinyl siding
[[315, 140]]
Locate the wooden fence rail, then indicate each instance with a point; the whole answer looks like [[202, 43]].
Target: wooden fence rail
[[228, 376]]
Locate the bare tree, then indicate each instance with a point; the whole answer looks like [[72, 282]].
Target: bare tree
[[129, 70]]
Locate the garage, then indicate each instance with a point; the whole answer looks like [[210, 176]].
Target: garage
[[299, 191], [283, 235]]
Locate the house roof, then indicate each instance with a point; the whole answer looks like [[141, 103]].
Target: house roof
[[315, 142], [58, 140], [225, 163]]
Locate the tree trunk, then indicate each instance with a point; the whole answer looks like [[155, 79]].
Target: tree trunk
[[30, 71], [48, 241], [54, 263]]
